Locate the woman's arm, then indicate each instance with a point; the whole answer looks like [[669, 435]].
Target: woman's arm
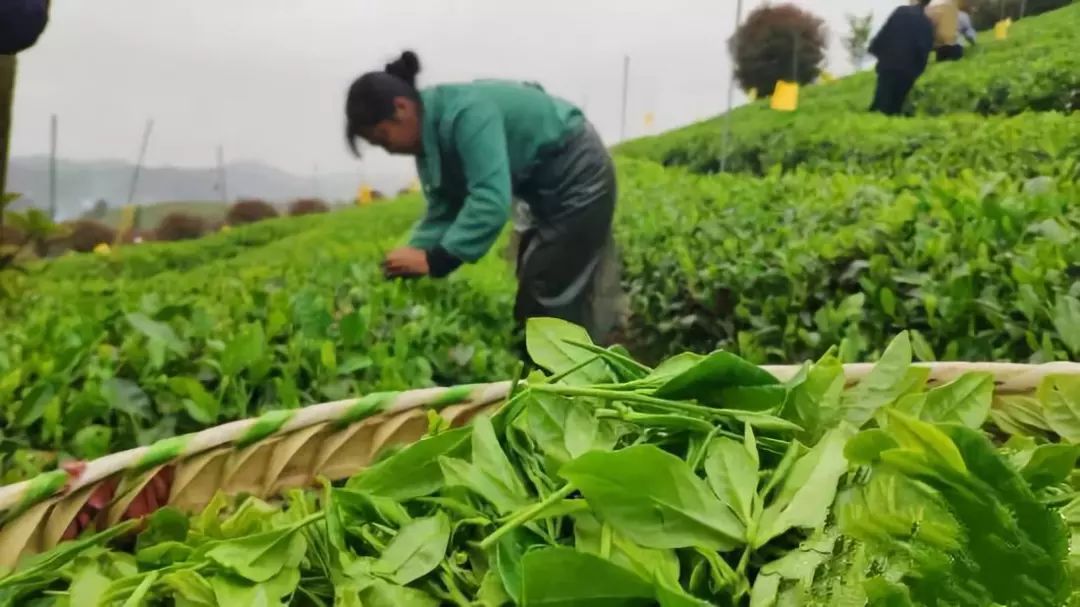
[[438, 218], [412, 260], [480, 141]]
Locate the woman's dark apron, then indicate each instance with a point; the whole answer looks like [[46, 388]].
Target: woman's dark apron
[[567, 263]]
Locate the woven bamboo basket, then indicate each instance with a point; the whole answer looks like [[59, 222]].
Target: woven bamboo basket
[[268, 455]]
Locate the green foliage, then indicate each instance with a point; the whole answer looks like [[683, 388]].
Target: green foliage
[[83, 235], [777, 268], [308, 206], [857, 42], [701, 481], [985, 13], [157, 340], [905, 512], [21, 234], [180, 226], [1028, 145], [250, 211], [1035, 70]]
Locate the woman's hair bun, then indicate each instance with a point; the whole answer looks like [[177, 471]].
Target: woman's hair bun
[[406, 67]]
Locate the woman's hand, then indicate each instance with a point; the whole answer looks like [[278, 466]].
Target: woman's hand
[[406, 262]]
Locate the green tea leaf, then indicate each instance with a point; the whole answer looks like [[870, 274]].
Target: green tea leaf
[[732, 472], [563, 577], [328, 356], [673, 596], [1066, 318], [921, 348], [814, 398], [491, 592], [385, 594], [489, 457], [354, 363], [924, 439], [208, 522], [508, 554], [164, 525], [566, 428], [883, 593], [883, 385], [364, 507], [654, 499], [460, 473], [965, 400], [245, 349], [253, 516], [1019, 414], [202, 406], [416, 550], [190, 589], [88, 582], [648, 563], [158, 332], [548, 342], [721, 380], [798, 566], [93, 441], [414, 471], [1050, 465], [808, 490], [866, 447], [1060, 397], [232, 591], [32, 407], [142, 590], [258, 558], [675, 366], [126, 396]]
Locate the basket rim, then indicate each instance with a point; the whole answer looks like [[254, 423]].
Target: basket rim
[[1010, 378]]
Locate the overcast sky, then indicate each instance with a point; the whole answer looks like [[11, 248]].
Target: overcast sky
[[266, 78]]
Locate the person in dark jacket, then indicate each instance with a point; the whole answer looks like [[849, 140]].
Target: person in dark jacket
[[902, 48], [21, 23]]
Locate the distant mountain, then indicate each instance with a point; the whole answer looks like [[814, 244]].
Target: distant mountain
[[81, 183]]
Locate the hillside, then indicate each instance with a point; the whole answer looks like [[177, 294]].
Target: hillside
[[82, 183], [152, 214], [998, 87]]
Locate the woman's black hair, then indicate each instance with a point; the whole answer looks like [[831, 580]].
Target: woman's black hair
[[371, 96]]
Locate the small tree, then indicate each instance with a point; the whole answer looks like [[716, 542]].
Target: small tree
[[308, 206], [85, 234], [250, 211], [857, 42], [180, 226], [31, 228], [776, 43]]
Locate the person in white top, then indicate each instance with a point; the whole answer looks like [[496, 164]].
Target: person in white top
[[965, 27], [945, 15]]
